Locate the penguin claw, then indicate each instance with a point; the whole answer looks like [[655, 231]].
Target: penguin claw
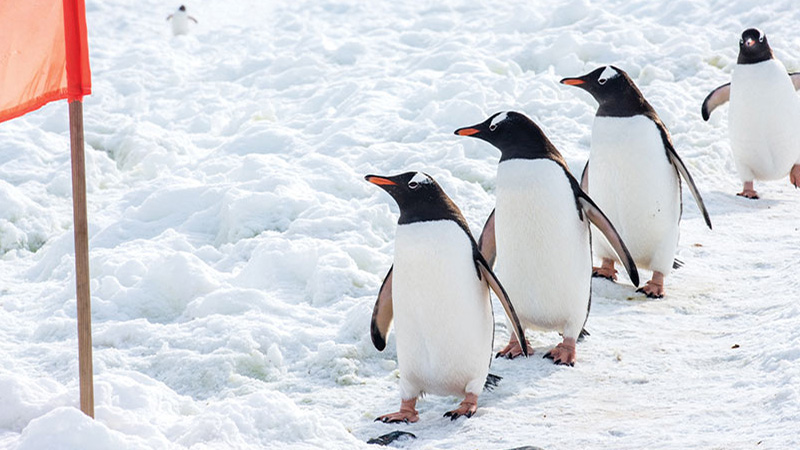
[[599, 275], [650, 294], [406, 417], [654, 288], [606, 271], [563, 354], [512, 350], [466, 409], [752, 195]]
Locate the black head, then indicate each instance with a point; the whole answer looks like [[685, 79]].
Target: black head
[[182, 8], [514, 134], [615, 92], [753, 47], [419, 197]]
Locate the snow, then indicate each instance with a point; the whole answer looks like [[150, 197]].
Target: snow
[[236, 251]]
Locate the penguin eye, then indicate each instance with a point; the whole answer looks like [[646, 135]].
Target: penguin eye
[[761, 39], [413, 185], [602, 80], [741, 41], [492, 127]]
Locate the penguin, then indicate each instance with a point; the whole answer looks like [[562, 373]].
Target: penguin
[[180, 21], [764, 114], [539, 233], [634, 175], [437, 295]]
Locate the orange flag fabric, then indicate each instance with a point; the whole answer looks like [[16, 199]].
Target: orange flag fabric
[[44, 54]]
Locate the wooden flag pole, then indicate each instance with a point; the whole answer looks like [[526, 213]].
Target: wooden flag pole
[[81, 225]]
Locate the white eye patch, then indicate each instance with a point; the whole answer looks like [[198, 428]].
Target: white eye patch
[[497, 119], [607, 74], [420, 178]]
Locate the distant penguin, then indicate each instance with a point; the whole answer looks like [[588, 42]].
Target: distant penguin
[[633, 174], [180, 21], [764, 114], [539, 232], [437, 293]]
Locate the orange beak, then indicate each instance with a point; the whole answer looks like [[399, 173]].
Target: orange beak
[[572, 81], [467, 131], [380, 181]]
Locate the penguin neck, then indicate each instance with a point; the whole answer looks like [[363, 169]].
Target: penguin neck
[[755, 58], [432, 208], [437, 209], [533, 146], [628, 103]]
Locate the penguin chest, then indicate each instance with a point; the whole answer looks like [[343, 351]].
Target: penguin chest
[[442, 314], [543, 253], [633, 182], [762, 120], [180, 23]]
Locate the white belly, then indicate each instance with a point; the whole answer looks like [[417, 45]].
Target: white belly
[[442, 314], [543, 254], [180, 23], [634, 184], [763, 121]]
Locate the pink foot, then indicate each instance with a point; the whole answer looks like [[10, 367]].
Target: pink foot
[[468, 407], [563, 353], [794, 176], [655, 287], [513, 349], [748, 191], [606, 271], [407, 413]]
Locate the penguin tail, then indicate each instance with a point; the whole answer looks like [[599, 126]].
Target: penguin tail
[[584, 332], [492, 381], [677, 263]]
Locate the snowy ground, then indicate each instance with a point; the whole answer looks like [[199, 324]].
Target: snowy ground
[[236, 250]]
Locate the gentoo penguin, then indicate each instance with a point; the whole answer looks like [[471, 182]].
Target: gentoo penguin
[[764, 114], [437, 293], [633, 174], [180, 21], [539, 232]]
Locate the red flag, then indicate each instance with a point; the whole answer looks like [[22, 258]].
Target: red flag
[[44, 54]]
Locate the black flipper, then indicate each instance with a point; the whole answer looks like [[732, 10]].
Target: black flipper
[[487, 243], [795, 76], [585, 177], [599, 220], [722, 94], [583, 335], [717, 97], [382, 313], [678, 163], [501, 294], [492, 381]]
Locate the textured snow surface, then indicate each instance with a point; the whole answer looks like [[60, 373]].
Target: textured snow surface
[[236, 250]]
